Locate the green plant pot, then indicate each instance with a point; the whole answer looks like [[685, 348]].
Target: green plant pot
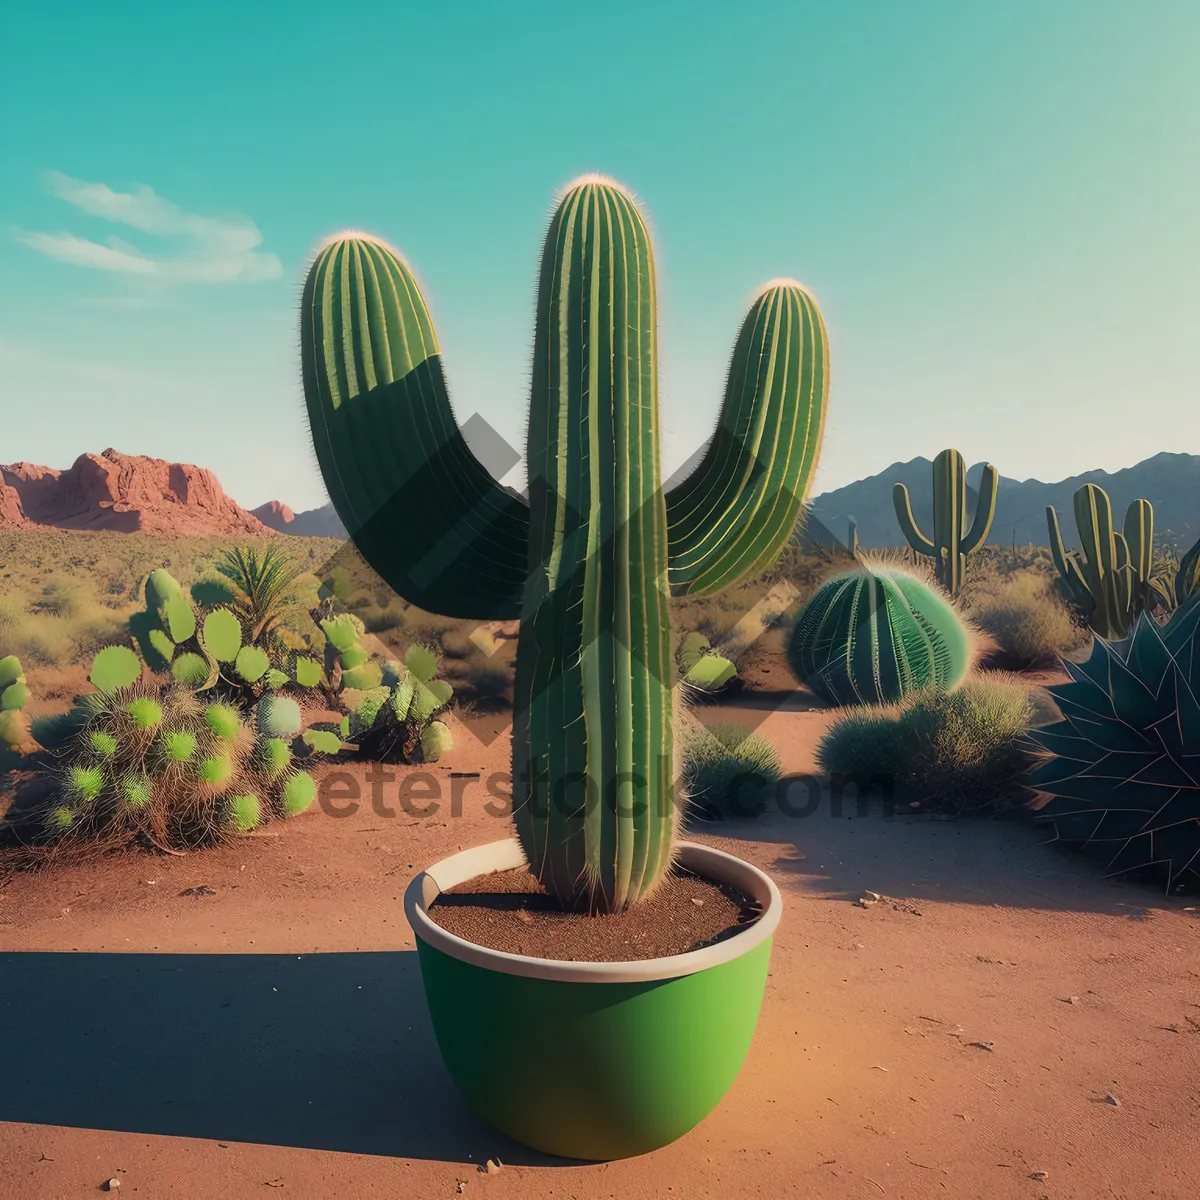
[[593, 1060]]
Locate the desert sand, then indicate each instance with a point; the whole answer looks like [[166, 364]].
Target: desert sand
[[966, 1036]]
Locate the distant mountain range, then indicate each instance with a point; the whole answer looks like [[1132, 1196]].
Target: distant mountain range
[[1171, 482], [130, 493], [313, 522]]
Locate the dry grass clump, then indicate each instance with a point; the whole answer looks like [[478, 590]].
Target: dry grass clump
[[960, 751], [1031, 626], [729, 771]]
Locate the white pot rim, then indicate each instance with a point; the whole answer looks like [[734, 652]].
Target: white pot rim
[[506, 855]]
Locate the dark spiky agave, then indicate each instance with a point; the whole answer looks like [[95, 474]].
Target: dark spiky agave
[[1121, 771]]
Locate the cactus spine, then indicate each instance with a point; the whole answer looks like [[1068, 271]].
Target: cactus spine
[[1109, 578], [950, 545], [587, 564]]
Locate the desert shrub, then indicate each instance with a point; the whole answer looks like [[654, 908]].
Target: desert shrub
[[960, 751], [728, 770], [1030, 624], [386, 617], [457, 644], [487, 680]]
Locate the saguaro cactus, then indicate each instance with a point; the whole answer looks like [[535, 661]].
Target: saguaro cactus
[[950, 545], [1110, 578], [588, 563]]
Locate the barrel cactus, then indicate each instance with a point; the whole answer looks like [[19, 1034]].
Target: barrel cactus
[[588, 562], [877, 633], [1121, 769], [951, 541]]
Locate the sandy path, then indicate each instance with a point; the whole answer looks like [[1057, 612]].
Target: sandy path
[[263, 1040]]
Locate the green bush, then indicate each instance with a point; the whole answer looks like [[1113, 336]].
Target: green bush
[[960, 751], [729, 771], [1030, 624]]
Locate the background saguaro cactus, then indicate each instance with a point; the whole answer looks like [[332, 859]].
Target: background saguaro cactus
[[1110, 578], [588, 563], [951, 541]]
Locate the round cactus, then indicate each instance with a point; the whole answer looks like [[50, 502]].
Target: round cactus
[[298, 793], [190, 669], [278, 716], [436, 741], [103, 743], [14, 729], [136, 790], [244, 812], [146, 712], [875, 634], [215, 770], [179, 745], [275, 756], [85, 783], [10, 671], [223, 721]]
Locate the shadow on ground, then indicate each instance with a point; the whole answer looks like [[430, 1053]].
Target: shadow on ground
[[841, 847], [320, 1051]]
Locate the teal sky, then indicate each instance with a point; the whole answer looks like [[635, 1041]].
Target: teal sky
[[994, 202]]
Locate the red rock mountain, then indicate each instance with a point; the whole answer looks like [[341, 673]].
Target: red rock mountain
[[123, 492], [12, 515], [274, 515]]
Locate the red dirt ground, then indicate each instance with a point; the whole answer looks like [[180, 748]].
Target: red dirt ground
[[958, 1038]]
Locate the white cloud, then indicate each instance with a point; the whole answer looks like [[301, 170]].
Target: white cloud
[[206, 249]]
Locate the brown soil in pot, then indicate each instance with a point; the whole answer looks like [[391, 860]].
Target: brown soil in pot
[[511, 912]]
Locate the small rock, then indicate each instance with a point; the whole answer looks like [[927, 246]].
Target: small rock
[[111, 1185], [874, 897], [493, 1166], [1111, 1099], [983, 1045], [523, 914], [863, 903], [1039, 1176], [1070, 999], [697, 901], [202, 890]]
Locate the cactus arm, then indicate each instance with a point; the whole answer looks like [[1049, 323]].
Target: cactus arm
[[902, 503], [1187, 578], [1067, 564], [1138, 531], [736, 511], [985, 510], [1093, 519], [420, 507]]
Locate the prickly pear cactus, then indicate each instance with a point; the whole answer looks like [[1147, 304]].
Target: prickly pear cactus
[[15, 733]]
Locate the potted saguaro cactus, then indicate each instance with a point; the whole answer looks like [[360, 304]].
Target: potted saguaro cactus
[[587, 1059]]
